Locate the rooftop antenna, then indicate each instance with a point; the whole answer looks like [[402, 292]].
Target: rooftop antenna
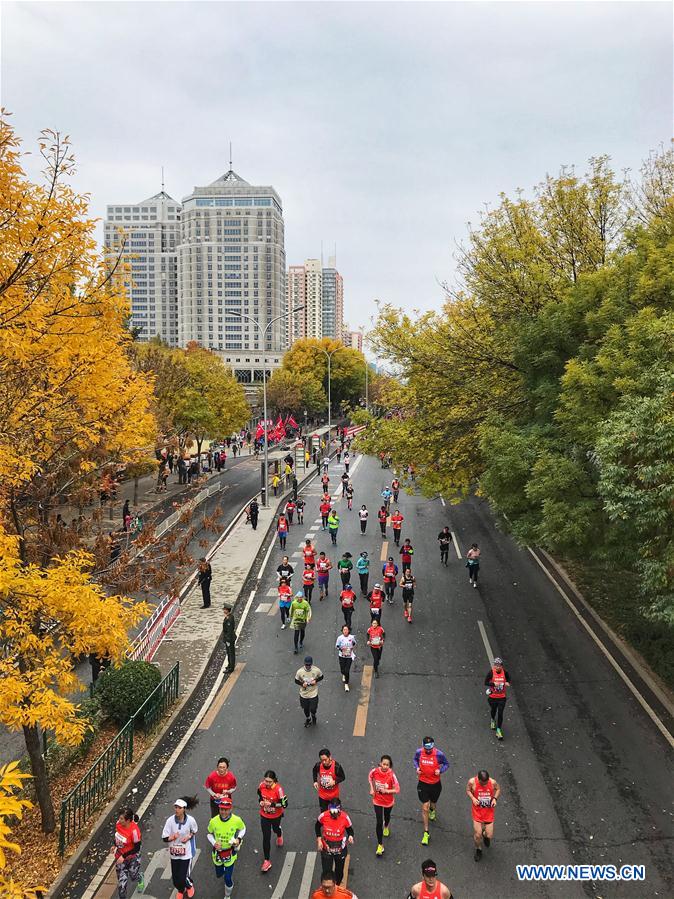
[[321, 254], [230, 156], [335, 255], [162, 179]]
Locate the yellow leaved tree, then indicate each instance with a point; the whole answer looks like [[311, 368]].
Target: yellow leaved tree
[[12, 807]]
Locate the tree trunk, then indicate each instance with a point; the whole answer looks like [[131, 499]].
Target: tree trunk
[[39, 771], [199, 442]]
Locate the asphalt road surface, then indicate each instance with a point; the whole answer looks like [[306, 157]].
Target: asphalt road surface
[[585, 775]]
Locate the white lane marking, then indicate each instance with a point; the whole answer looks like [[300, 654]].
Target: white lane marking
[[628, 683], [315, 527], [264, 561], [485, 640], [264, 607], [307, 876], [442, 500], [308, 536], [284, 879], [242, 620], [456, 546], [296, 556]]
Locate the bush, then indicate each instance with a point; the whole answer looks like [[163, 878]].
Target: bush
[[123, 690]]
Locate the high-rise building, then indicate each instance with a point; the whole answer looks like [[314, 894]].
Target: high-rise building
[[313, 311], [296, 295], [231, 259], [352, 339], [333, 301], [145, 237], [321, 291]]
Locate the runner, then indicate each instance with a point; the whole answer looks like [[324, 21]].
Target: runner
[[382, 516], [445, 541], [347, 599], [375, 640], [285, 598], [309, 553], [345, 567], [395, 489], [291, 505], [344, 646], [323, 566], [363, 568], [325, 480], [273, 801], [300, 510], [376, 599], [345, 482], [333, 525], [282, 530], [363, 515], [349, 496], [285, 570], [408, 583], [397, 523], [328, 774], [383, 788], [386, 496], [339, 454], [325, 507], [179, 832], [473, 563], [347, 461], [127, 852], [329, 889], [307, 679], [406, 553], [220, 784], [308, 581], [390, 571], [300, 616], [225, 834], [430, 764], [496, 681], [334, 834], [483, 793], [430, 887]]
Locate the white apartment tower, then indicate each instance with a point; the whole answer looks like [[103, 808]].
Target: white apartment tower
[[145, 236], [333, 301]]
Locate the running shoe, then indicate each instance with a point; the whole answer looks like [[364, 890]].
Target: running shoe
[[266, 866], [279, 840], [478, 855], [346, 688], [387, 831], [499, 733], [492, 724], [431, 814], [140, 888], [425, 840], [380, 850]]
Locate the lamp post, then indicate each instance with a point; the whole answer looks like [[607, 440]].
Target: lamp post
[[367, 367], [329, 356], [263, 332]]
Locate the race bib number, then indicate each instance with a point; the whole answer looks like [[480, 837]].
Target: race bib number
[[176, 851], [375, 641], [327, 782]]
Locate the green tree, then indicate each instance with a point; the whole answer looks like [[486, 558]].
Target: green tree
[[307, 358]]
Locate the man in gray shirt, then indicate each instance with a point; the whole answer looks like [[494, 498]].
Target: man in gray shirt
[[307, 678]]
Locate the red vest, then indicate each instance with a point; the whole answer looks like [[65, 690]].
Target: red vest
[[285, 591], [382, 515], [348, 597], [375, 599], [324, 791], [333, 831], [397, 522], [389, 572], [498, 691], [381, 780], [323, 565], [428, 764], [270, 796], [376, 636], [484, 793], [309, 554], [309, 576], [435, 893]]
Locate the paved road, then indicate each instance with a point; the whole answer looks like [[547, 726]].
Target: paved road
[[585, 775]]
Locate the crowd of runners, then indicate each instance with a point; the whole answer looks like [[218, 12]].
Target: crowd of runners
[[333, 826]]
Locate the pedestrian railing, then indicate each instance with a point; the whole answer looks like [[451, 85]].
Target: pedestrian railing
[[97, 784], [145, 645]]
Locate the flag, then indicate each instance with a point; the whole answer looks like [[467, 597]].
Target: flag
[[290, 422], [260, 431]]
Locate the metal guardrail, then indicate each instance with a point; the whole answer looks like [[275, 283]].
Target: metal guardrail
[[145, 645], [96, 785]]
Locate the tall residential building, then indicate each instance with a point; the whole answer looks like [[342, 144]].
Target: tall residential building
[[296, 295], [333, 301], [146, 236], [352, 339], [304, 287], [231, 258]]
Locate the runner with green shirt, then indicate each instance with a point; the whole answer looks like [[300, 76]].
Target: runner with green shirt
[[225, 834], [300, 616], [333, 525], [345, 567]]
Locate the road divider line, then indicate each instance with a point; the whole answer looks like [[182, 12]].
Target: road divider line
[[284, 878], [384, 551], [456, 545], [264, 607], [219, 701], [346, 871], [628, 683], [272, 611], [265, 560], [307, 876], [363, 702], [487, 644], [442, 500]]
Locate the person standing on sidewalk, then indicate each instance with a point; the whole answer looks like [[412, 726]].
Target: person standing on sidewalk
[[344, 646], [307, 679], [204, 578], [363, 568], [254, 512], [273, 801], [229, 637], [127, 852], [300, 616], [180, 832], [363, 515], [333, 526]]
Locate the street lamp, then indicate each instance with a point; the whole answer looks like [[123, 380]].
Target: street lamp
[[329, 356], [263, 332], [362, 343]]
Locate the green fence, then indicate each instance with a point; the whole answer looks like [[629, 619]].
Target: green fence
[[96, 785]]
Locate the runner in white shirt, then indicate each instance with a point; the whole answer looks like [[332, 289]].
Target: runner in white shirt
[[344, 646], [363, 514], [179, 832]]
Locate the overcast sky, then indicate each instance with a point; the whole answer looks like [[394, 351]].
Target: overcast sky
[[384, 127]]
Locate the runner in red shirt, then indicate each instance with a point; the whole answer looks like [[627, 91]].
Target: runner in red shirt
[[323, 566], [376, 598], [375, 640], [382, 517], [397, 523], [308, 581], [328, 775], [406, 553], [309, 553], [383, 788], [325, 511], [127, 851], [334, 834], [219, 784], [430, 887], [273, 801], [483, 793], [430, 764], [348, 600]]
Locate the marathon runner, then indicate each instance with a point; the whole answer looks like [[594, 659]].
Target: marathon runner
[[349, 496], [285, 598], [128, 841], [323, 566], [225, 834], [376, 599], [333, 525], [445, 541], [344, 646], [347, 461], [307, 678], [329, 889], [309, 553], [282, 530], [300, 510], [363, 515], [334, 833], [473, 563], [300, 616], [325, 507], [291, 505], [308, 581], [363, 568], [430, 764], [273, 801], [345, 567], [179, 832], [483, 793], [397, 523], [285, 570], [408, 583], [382, 516], [325, 480], [383, 788], [220, 784], [345, 482], [390, 572], [430, 887], [395, 489], [406, 553], [496, 681], [386, 496], [375, 640], [328, 774]]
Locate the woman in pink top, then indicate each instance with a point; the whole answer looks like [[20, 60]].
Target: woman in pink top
[[383, 788]]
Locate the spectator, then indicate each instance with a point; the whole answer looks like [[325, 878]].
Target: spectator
[[204, 580]]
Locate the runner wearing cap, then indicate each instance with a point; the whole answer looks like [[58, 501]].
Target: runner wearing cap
[[328, 774], [363, 569], [430, 887], [430, 764], [390, 572], [179, 832], [307, 678], [483, 793], [383, 788], [334, 834], [496, 681], [273, 801], [329, 889], [225, 834], [376, 599], [220, 784]]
